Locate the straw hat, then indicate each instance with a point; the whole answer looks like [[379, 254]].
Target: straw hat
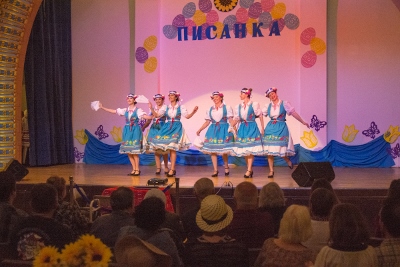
[[131, 251], [214, 215]]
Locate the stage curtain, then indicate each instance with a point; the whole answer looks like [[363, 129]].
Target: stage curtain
[[48, 81]]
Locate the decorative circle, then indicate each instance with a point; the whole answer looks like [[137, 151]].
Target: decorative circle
[[230, 21], [255, 10], [308, 59], [266, 20], [205, 5], [278, 11], [307, 35], [225, 5], [150, 43], [318, 46], [150, 65], [242, 15], [291, 21], [246, 3], [179, 21], [199, 18], [170, 31], [141, 54], [212, 17], [267, 5], [190, 24], [189, 9], [281, 24]]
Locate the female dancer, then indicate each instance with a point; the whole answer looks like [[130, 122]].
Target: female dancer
[[277, 139], [248, 142], [132, 137], [172, 136], [218, 141], [158, 111]]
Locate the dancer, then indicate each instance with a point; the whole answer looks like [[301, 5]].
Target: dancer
[[132, 136], [248, 142], [172, 136], [158, 111], [277, 139], [218, 141]]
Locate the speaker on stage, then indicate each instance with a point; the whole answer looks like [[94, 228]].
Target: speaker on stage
[[307, 172], [16, 170]]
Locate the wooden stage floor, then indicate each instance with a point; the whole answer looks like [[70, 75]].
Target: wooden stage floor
[[116, 175]]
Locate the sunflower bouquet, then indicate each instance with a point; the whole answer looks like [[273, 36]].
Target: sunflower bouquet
[[87, 251]]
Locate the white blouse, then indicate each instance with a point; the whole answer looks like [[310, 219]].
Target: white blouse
[[172, 111], [274, 111], [121, 112], [160, 111], [217, 113], [245, 109]]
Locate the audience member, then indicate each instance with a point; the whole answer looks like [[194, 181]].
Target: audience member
[[389, 251], [249, 225], [202, 188], [149, 216], [214, 247], [9, 215], [68, 213], [349, 237], [272, 200], [323, 183], [321, 204], [172, 220], [287, 250], [131, 251], [40, 229], [107, 227]]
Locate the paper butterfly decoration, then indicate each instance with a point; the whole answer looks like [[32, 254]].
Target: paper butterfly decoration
[[394, 152], [372, 131], [78, 155], [317, 124], [100, 133]]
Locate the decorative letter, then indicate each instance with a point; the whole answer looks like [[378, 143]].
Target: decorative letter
[[240, 32], [256, 29], [197, 34], [185, 33], [275, 29], [208, 32], [225, 32]]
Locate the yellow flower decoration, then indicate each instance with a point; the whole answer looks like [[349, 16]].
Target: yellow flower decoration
[[309, 139], [47, 257], [72, 255], [81, 137], [391, 134], [226, 5], [349, 133], [117, 134]]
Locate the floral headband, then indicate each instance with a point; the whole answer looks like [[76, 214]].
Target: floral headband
[[270, 90], [246, 91], [174, 93], [217, 93], [132, 96], [158, 96]]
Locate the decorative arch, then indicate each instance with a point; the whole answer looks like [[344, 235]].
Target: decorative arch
[[16, 20]]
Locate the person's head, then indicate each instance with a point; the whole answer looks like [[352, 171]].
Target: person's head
[[59, 184], [393, 192], [155, 192], [121, 199], [214, 214], [159, 99], [271, 93], [295, 226], [7, 187], [246, 196], [44, 198], [130, 98], [217, 97], [130, 251], [390, 218], [271, 195], [321, 203], [324, 183], [347, 226], [150, 214], [203, 187], [245, 93], [173, 96]]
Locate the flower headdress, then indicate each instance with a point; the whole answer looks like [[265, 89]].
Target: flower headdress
[[246, 91], [158, 96], [270, 90], [217, 93], [132, 96]]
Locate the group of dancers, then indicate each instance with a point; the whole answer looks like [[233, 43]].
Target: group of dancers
[[230, 131]]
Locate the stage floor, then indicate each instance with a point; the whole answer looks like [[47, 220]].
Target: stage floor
[[116, 175]]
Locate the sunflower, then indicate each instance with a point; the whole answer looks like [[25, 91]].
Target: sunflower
[[225, 5], [96, 253], [47, 257], [72, 254]]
